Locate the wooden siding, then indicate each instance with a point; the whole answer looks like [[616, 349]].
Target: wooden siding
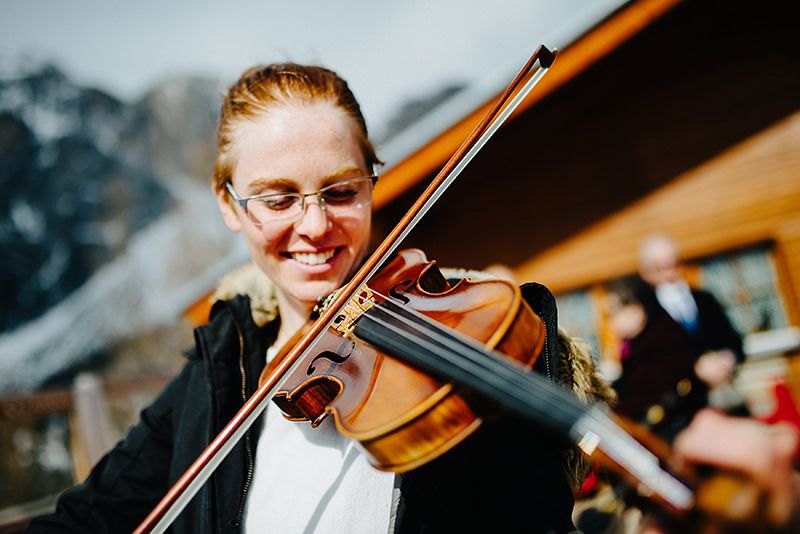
[[748, 194]]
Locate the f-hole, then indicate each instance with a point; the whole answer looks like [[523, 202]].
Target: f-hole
[[396, 292], [332, 356]]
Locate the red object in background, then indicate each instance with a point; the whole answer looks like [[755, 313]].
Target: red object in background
[[589, 485], [785, 410]]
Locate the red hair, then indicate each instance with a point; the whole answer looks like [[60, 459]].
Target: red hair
[[262, 87]]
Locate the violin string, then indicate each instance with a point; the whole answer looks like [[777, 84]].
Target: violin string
[[485, 372], [473, 359], [475, 351], [520, 395], [533, 396]]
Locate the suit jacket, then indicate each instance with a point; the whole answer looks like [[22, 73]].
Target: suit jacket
[[659, 368], [715, 330]]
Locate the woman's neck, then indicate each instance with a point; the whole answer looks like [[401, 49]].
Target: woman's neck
[[294, 315]]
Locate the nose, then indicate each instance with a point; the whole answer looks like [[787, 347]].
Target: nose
[[313, 222]]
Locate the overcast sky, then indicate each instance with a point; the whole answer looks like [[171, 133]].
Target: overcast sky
[[388, 51]]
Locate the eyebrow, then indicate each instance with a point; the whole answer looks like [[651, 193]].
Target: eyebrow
[[349, 172], [287, 184], [281, 184]]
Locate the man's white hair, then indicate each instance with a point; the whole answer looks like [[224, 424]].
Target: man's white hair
[[655, 242]]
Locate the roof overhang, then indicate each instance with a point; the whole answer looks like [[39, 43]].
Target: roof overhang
[[425, 146]]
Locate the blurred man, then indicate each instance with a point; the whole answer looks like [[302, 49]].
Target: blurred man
[[696, 311]]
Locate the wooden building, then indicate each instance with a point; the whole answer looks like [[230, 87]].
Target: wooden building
[[678, 117]]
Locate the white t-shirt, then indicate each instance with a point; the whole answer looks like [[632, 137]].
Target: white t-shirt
[[314, 480]]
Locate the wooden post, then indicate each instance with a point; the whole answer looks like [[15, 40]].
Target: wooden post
[[91, 428]]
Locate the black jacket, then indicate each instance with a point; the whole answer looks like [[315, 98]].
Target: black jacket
[[507, 476], [716, 331]]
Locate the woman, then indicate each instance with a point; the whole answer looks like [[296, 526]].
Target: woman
[[294, 176]]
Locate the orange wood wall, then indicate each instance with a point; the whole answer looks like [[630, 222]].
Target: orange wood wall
[[750, 193]]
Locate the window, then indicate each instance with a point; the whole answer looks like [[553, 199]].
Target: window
[[745, 283]]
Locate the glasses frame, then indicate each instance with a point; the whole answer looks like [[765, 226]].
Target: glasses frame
[[242, 202]]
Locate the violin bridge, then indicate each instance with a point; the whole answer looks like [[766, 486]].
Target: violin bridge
[[362, 301]]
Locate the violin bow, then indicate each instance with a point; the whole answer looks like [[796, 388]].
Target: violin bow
[[181, 492]]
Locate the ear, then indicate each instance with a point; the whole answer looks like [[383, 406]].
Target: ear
[[228, 210]]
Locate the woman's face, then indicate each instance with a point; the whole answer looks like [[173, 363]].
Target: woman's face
[[299, 148]]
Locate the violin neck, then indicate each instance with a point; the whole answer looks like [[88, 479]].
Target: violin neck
[[438, 350], [442, 352]]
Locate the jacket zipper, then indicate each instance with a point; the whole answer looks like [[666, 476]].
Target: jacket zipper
[[546, 352], [547, 357], [247, 444]]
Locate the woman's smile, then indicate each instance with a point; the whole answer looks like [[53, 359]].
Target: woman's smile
[[317, 261]]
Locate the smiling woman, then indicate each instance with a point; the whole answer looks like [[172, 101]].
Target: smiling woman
[[286, 129], [311, 253], [294, 177]]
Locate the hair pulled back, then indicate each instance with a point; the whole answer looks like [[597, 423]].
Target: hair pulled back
[[265, 86]]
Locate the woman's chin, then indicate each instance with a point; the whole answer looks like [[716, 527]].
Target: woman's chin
[[307, 283], [313, 290]]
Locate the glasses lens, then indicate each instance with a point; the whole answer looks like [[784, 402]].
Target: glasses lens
[[275, 207], [347, 195], [339, 199]]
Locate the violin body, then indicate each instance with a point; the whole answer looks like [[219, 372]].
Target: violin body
[[402, 417]]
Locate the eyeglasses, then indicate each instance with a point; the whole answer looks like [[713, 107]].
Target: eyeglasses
[[339, 199]]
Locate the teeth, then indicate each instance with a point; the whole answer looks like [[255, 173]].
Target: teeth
[[311, 258]]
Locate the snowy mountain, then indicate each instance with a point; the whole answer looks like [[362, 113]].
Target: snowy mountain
[[82, 172], [103, 201], [165, 267]]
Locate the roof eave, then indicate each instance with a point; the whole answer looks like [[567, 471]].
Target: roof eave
[[428, 143]]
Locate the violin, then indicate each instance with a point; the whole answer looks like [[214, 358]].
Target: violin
[[404, 360], [401, 416]]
